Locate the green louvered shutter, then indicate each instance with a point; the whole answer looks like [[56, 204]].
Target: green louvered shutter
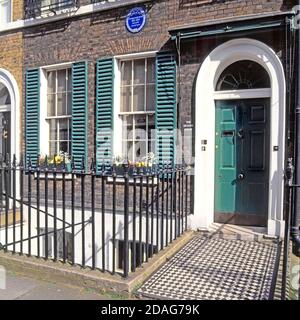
[[32, 106], [165, 107], [104, 110], [79, 112]]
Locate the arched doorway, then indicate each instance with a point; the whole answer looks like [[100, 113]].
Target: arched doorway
[[242, 139], [9, 114], [9, 121], [215, 86]]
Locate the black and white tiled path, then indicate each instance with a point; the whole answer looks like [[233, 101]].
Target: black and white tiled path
[[210, 268]]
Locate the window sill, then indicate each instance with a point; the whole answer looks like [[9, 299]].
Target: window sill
[[121, 181], [50, 176]]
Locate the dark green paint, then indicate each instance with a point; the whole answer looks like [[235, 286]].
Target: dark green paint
[[242, 148], [32, 115], [79, 112]]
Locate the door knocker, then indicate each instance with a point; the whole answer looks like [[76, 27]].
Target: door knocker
[[4, 134], [240, 134]]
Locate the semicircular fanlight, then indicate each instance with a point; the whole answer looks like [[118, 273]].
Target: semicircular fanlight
[[4, 95], [243, 74]]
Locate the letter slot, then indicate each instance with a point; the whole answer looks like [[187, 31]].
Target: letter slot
[[228, 133]]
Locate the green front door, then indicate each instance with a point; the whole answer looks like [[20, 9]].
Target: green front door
[[242, 161]]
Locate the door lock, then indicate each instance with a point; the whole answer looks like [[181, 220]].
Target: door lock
[[241, 176]]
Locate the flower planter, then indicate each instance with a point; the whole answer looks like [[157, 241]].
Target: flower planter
[[120, 170], [59, 167], [59, 171]]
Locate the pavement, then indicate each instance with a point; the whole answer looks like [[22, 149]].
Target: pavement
[[21, 288], [294, 293]]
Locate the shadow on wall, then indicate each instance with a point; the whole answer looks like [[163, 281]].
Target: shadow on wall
[[188, 4], [185, 4], [39, 31], [114, 15]]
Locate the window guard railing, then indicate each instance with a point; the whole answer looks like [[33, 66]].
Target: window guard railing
[[35, 8]]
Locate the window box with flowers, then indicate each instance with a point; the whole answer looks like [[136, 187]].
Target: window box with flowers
[[60, 164], [144, 167]]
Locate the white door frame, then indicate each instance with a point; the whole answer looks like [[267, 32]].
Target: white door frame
[[7, 79], [216, 62]]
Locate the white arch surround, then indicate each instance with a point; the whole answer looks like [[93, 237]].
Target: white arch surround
[[212, 67], [7, 79]]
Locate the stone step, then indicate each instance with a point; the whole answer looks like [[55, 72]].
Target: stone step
[[233, 232]]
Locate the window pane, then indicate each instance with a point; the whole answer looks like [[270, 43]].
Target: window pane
[[140, 150], [138, 98], [51, 105], [150, 70], [127, 127], [61, 104], [63, 129], [151, 127], [126, 99], [139, 71], [63, 146], [127, 150], [52, 148], [51, 81], [53, 129], [151, 146], [126, 73], [69, 80], [140, 127], [61, 81], [150, 98], [69, 103]]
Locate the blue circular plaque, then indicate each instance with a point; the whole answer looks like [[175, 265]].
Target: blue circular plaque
[[136, 20]]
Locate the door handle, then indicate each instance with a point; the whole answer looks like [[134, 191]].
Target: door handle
[[241, 176]]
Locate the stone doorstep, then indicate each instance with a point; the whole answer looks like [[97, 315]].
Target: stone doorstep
[[41, 269], [233, 232]]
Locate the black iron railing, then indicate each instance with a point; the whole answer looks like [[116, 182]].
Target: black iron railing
[[34, 8], [292, 225], [113, 220]]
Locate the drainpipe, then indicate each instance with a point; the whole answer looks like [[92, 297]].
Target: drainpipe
[[295, 231]]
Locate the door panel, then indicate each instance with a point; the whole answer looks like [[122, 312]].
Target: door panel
[[225, 158], [257, 146], [4, 152], [242, 161]]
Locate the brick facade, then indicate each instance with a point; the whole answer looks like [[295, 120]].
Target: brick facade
[[104, 34], [11, 50], [18, 10]]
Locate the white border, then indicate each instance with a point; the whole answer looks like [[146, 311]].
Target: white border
[[7, 79], [3, 25], [117, 125], [211, 69], [44, 125]]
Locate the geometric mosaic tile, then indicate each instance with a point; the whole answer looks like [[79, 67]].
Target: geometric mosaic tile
[[212, 268]]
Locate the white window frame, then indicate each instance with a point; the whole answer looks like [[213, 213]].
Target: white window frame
[[11, 12], [117, 132], [58, 117], [44, 123]]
